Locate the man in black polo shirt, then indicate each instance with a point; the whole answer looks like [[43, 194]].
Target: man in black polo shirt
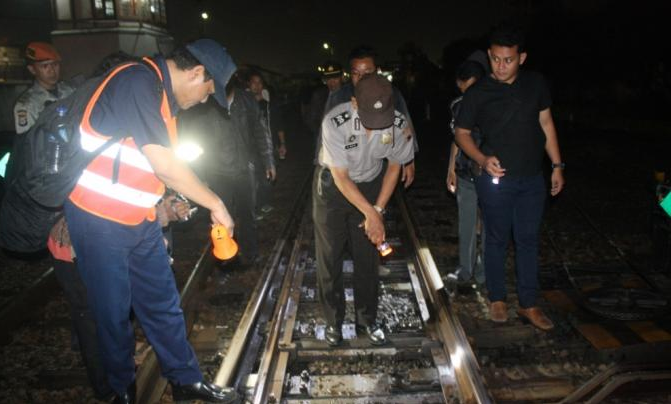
[[512, 110]]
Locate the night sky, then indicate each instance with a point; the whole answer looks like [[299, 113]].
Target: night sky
[[287, 36]]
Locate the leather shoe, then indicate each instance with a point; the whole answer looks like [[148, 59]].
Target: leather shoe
[[498, 312], [535, 316], [127, 398], [203, 391], [375, 334], [333, 335]]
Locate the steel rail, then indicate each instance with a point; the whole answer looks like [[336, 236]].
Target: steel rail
[[263, 391], [469, 378], [226, 373]]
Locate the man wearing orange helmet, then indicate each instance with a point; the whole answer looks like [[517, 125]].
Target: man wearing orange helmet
[[44, 63]]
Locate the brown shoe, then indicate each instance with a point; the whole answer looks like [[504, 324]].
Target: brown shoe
[[536, 317], [498, 312]]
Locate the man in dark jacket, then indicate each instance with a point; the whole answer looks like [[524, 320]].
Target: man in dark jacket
[[233, 138]]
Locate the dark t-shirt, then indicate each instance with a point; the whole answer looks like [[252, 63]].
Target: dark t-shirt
[[130, 105], [508, 118]]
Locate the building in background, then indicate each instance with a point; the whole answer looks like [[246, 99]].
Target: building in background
[[85, 31]]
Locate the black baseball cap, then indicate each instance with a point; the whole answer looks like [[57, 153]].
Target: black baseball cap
[[375, 103], [217, 62]]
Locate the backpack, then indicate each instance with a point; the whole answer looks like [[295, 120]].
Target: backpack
[[34, 197]]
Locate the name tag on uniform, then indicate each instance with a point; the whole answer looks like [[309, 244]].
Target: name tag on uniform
[[386, 138]]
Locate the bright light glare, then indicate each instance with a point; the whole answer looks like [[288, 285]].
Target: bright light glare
[[204, 16], [458, 357], [152, 9], [3, 164], [390, 77], [188, 151], [325, 45]]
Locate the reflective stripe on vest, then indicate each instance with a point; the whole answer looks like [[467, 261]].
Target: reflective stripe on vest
[[131, 199]]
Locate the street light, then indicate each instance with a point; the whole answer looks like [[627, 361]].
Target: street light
[[328, 48], [204, 15]]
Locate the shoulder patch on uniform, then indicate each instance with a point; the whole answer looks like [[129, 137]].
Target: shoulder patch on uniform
[[339, 120], [399, 121], [22, 117]]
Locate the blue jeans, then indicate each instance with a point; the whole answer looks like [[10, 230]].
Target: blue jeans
[[126, 267], [514, 205]]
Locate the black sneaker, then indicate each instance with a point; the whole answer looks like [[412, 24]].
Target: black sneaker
[[333, 335]]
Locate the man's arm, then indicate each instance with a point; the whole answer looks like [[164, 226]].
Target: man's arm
[[451, 172], [490, 163], [282, 147], [177, 175], [552, 149], [408, 170], [373, 224]]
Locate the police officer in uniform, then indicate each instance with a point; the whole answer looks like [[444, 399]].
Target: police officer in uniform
[[350, 189], [44, 63], [332, 79]]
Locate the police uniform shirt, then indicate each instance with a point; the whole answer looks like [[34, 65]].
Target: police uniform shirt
[[32, 102], [346, 144]]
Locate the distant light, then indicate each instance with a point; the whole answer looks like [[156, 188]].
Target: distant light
[[390, 77], [325, 45], [152, 9], [204, 16], [320, 69]]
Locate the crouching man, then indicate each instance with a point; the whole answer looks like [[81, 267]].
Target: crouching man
[[350, 189]]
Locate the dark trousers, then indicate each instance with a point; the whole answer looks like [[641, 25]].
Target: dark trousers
[[261, 186], [515, 205], [126, 267], [336, 225], [84, 325], [236, 192]]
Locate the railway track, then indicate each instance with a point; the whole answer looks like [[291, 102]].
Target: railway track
[[261, 331], [289, 361]]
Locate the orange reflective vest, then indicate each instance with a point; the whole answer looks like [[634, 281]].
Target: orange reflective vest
[[131, 199]]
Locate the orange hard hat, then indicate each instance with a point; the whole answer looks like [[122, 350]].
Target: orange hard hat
[[41, 51]]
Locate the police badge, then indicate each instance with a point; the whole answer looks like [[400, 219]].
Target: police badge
[[386, 138], [22, 117]]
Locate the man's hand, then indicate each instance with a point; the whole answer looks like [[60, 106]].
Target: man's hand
[[271, 174], [492, 165], [282, 151], [451, 181], [374, 227], [557, 181], [408, 174], [220, 215]]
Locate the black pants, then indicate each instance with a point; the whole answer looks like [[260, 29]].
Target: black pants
[[84, 325], [236, 192], [336, 223]]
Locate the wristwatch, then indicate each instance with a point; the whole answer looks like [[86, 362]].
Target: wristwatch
[[379, 210], [561, 166]]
